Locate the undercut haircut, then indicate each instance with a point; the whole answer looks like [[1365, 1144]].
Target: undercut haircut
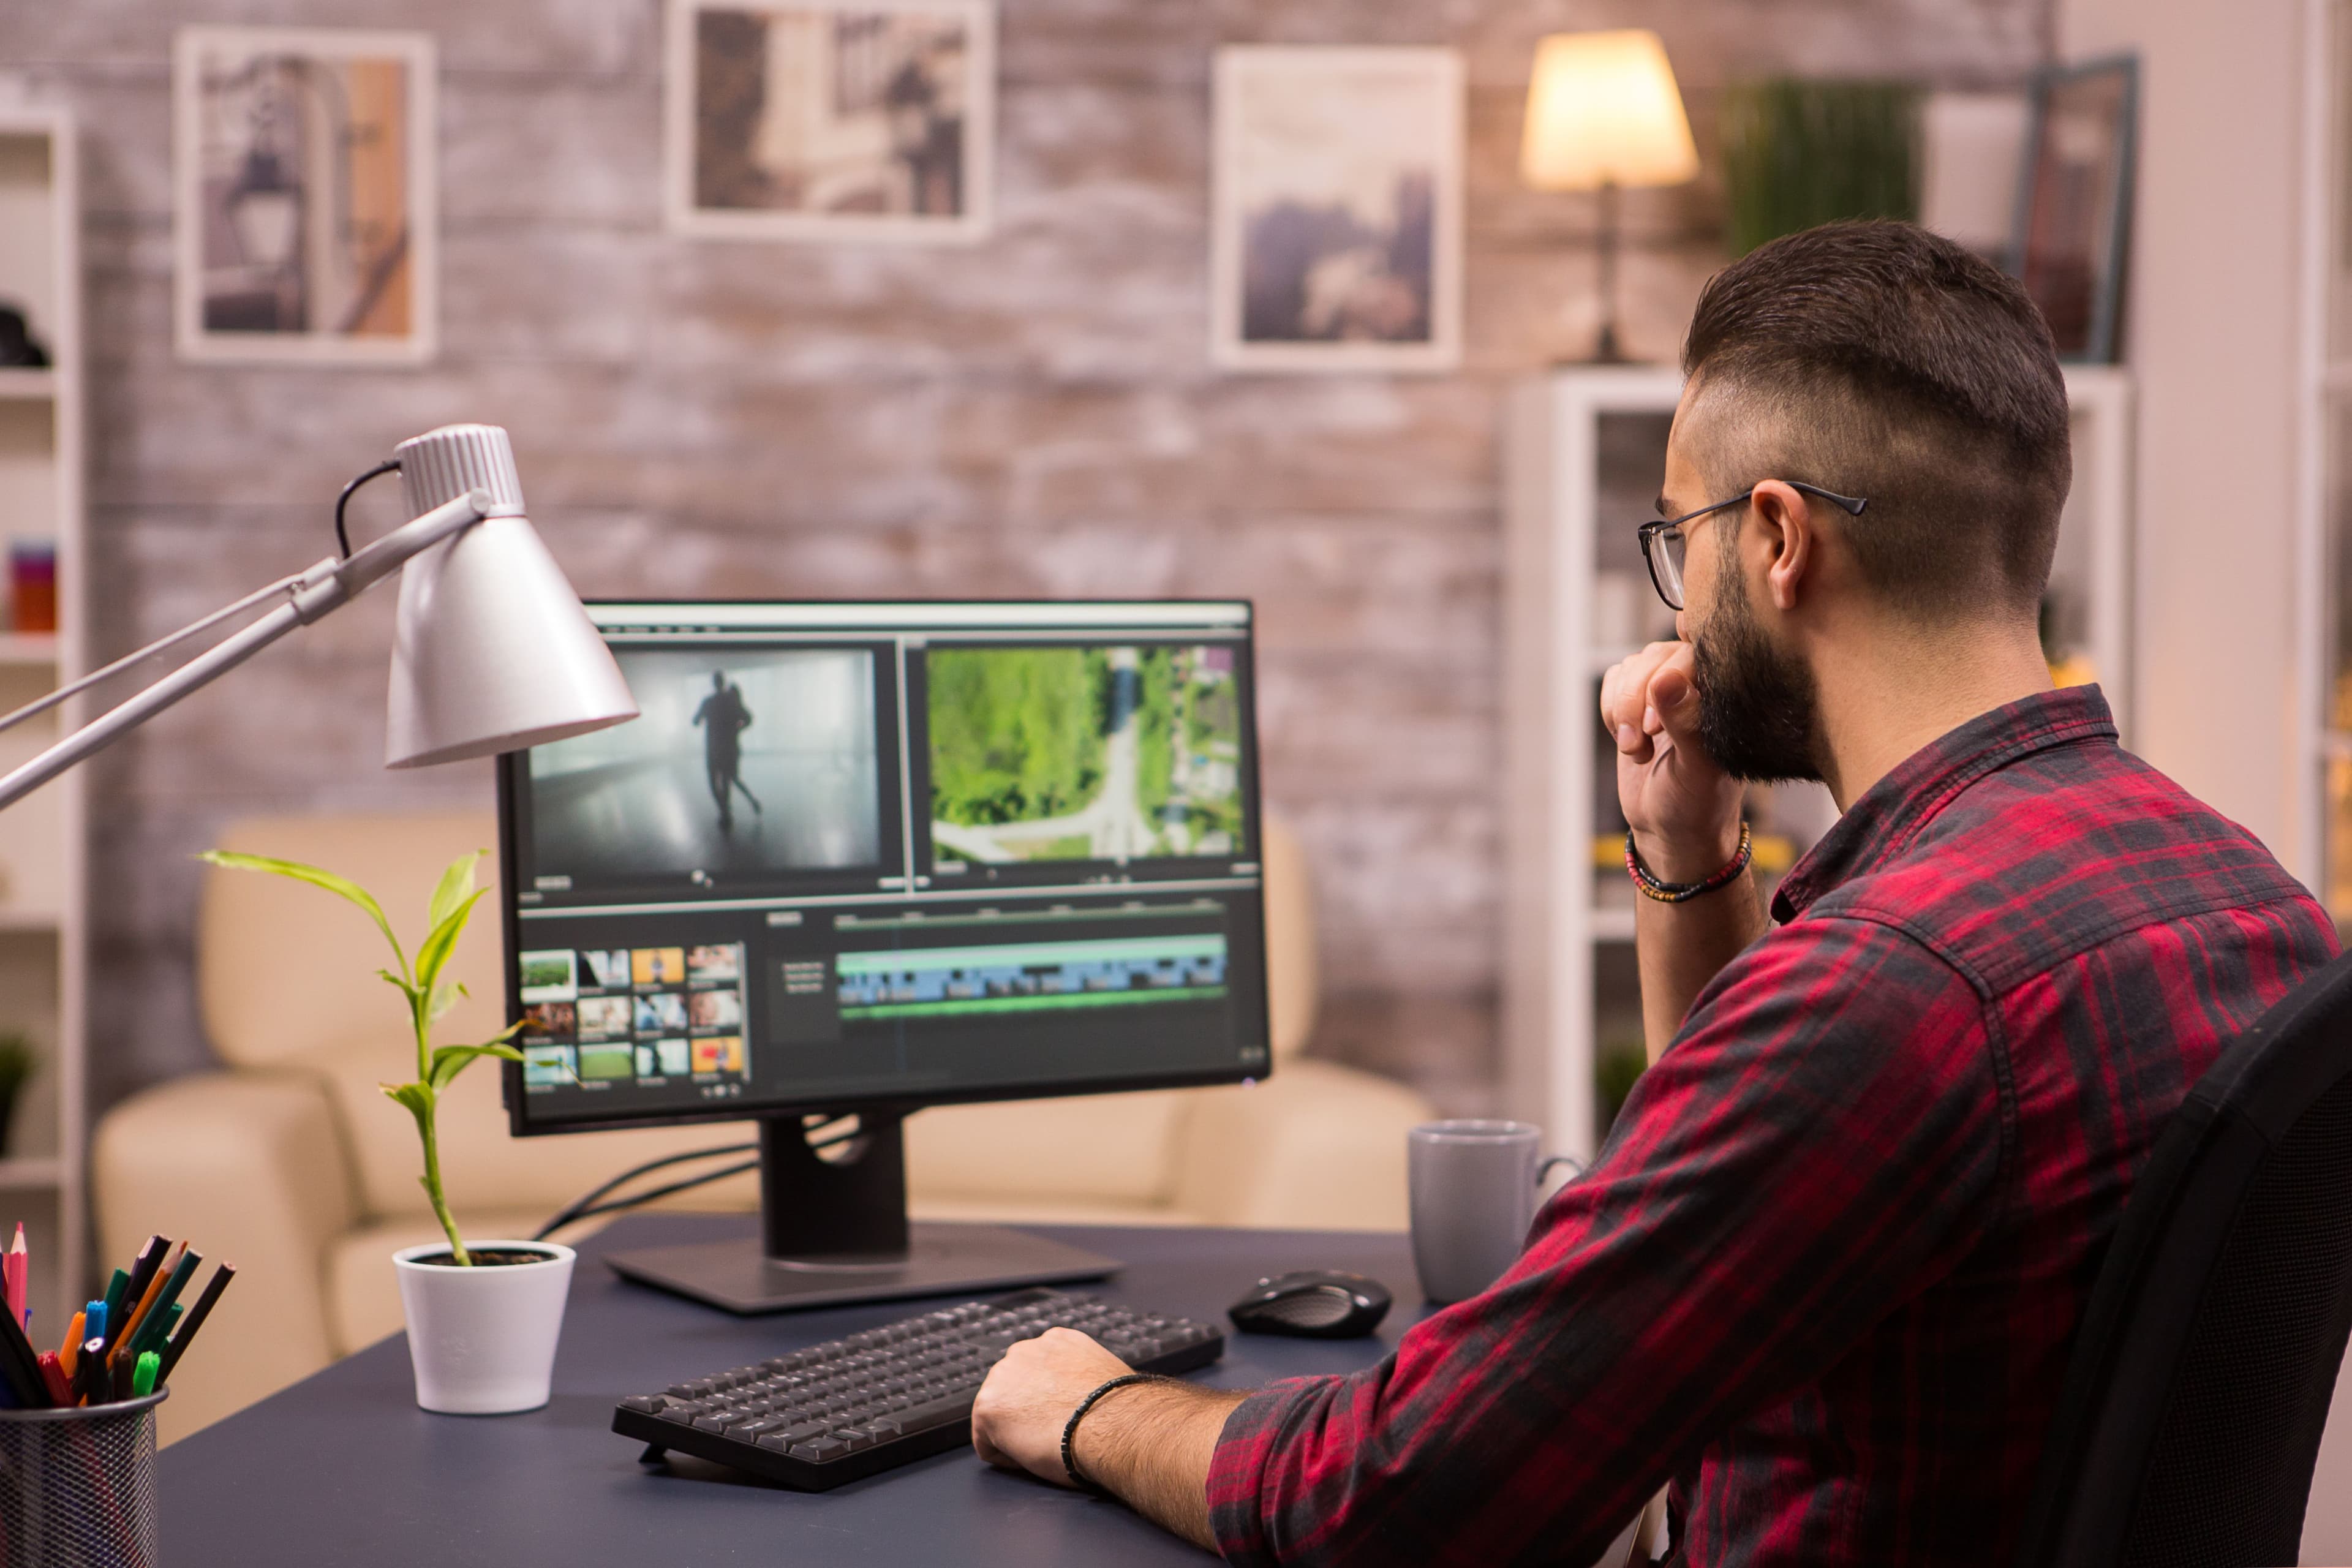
[[1877, 359]]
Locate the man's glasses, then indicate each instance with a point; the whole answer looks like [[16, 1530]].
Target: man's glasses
[[1663, 542]]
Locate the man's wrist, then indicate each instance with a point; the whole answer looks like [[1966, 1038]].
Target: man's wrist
[[1685, 857], [1151, 1445]]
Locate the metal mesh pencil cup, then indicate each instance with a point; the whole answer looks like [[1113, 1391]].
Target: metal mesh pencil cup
[[78, 1486]]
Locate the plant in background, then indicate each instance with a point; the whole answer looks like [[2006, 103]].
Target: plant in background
[[428, 996], [18, 1061], [1798, 153]]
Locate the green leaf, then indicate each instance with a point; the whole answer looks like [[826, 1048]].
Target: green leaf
[[342, 887], [435, 953], [416, 1097], [451, 1060], [444, 996], [456, 883]]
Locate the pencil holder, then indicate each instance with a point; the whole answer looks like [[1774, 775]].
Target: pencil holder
[[78, 1486]]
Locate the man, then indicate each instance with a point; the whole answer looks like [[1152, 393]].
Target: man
[[1826, 1272], [724, 718]]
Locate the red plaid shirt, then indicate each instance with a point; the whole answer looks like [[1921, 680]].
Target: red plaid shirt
[[1826, 1270]]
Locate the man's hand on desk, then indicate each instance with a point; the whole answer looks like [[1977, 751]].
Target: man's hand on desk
[[1150, 1444]]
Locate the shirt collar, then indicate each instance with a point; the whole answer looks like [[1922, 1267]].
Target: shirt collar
[[1893, 811]]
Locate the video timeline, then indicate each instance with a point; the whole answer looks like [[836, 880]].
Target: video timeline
[[1029, 977]]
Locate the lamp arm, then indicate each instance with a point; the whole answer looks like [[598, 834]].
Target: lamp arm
[[320, 590]]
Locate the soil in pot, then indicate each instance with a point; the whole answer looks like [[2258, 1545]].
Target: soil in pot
[[485, 1258]]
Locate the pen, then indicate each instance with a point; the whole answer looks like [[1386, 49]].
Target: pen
[[156, 1276], [158, 1329], [90, 1377], [149, 1333], [178, 1346], [76, 1331], [20, 1365], [94, 1321], [122, 1310], [112, 1305], [143, 1381], [53, 1379]]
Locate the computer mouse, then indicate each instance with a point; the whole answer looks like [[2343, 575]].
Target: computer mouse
[[1313, 1303]]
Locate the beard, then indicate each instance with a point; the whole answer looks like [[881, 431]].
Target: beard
[[1758, 712]]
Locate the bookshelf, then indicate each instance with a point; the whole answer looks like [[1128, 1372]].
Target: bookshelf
[[42, 839], [1584, 453], [2323, 641]]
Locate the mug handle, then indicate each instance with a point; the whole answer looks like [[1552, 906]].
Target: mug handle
[[1575, 1167]]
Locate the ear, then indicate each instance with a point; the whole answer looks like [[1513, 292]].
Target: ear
[[1790, 532]]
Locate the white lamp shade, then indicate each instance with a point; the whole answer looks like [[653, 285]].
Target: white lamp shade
[[491, 651], [1603, 110]]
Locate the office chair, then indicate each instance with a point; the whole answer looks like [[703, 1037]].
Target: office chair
[[2189, 1421]]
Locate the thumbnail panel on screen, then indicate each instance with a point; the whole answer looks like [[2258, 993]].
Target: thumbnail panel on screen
[[603, 1017], [1083, 753], [740, 761]]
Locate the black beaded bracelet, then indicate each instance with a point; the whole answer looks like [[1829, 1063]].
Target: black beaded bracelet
[[1070, 1429], [1677, 892]]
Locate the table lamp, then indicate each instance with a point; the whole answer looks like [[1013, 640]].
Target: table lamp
[[1603, 112], [491, 651]]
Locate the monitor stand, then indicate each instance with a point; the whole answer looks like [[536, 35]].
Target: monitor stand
[[834, 1231]]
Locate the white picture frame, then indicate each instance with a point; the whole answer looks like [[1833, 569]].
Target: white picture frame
[[865, 154], [1325, 152], [305, 197]]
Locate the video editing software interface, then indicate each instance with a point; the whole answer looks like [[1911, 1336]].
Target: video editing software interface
[[905, 853]]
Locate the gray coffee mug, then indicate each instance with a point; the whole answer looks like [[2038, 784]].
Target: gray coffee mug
[[1471, 1186]]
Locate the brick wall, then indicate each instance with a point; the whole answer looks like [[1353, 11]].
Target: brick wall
[[1035, 415]]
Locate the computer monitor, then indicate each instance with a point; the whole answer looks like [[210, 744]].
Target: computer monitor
[[860, 858]]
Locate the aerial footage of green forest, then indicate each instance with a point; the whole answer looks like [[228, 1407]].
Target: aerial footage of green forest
[[1017, 733], [1058, 753]]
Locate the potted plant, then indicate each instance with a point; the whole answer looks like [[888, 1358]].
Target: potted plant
[[18, 1062], [483, 1320]]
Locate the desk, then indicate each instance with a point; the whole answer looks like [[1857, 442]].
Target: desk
[[344, 1467]]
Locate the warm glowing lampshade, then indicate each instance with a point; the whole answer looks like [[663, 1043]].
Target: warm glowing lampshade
[[1603, 110], [491, 651]]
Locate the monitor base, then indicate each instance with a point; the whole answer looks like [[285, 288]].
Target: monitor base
[[940, 1259]]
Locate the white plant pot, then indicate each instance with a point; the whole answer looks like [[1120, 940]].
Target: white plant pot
[[482, 1340]]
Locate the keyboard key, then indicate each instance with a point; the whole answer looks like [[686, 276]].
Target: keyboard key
[[816, 1450]]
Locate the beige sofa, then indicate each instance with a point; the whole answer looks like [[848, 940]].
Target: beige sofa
[[289, 1162]]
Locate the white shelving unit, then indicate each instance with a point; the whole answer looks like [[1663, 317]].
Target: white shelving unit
[[1585, 452], [2323, 636], [42, 839]]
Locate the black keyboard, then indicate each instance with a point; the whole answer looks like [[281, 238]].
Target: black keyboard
[[846, 1408]]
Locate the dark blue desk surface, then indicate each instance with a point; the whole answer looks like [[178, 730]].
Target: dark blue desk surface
[[344, 1467]]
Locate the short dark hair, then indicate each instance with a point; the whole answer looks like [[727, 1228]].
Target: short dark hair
[[1879, 360]]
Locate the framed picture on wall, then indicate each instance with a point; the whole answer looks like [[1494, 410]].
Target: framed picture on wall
[[303, 196], [869, 120], [1336, 223], [2074, 203]]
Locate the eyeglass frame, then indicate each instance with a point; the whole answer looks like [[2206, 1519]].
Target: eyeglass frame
[[1654, 531]]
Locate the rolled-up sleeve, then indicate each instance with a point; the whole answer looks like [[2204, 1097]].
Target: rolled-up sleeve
[[1824, 1133]]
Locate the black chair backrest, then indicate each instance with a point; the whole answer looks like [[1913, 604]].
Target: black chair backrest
[[2190, 1418]]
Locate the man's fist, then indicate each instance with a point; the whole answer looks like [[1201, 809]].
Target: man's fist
[[1684, 810], [1017, 1421]]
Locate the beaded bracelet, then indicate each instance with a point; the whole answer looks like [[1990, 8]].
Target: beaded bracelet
[[1677, 892], [1070, 1429]]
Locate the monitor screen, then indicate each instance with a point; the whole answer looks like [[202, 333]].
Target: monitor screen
[[889, 855]]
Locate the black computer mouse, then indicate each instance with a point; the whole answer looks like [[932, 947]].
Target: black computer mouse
[[1313, 1303]]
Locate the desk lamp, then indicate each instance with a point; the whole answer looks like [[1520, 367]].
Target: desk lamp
[[491, 651], [1603, 112]]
